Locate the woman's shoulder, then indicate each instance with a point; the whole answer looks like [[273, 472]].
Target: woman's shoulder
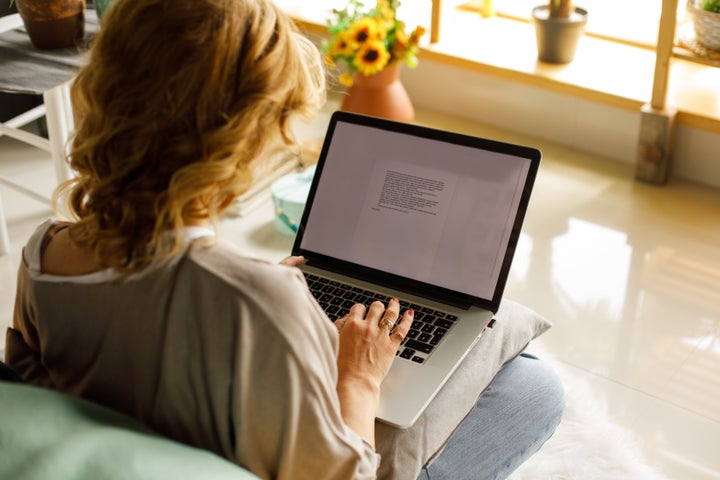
[[32, 251], [279, 291], [50, 255], [235, 267], [274, 295]]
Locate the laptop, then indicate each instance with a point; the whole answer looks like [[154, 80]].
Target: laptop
[[429, 216]]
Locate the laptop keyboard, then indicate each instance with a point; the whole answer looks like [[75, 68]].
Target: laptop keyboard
[[428, 329]]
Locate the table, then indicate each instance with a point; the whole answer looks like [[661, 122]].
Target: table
[[27, 70]]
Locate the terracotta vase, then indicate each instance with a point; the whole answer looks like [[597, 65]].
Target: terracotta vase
[[53, 24], [380, 95]]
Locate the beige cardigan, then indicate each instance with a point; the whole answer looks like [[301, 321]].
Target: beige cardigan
[[212, 349], [233, 354]]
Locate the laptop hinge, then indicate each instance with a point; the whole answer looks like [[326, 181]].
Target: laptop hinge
[[444, 298]]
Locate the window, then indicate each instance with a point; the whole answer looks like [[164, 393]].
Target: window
[[623, 41], [631, 21], [634, 22]]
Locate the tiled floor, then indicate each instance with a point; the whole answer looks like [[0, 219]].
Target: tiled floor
[[628, 273]]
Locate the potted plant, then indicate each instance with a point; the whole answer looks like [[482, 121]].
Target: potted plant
[[53, 23], [706, 22], [370, 44], [558, 28]]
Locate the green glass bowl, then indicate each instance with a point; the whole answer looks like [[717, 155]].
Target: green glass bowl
[[100, 6]]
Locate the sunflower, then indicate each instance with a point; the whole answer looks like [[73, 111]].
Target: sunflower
[[401, 43], [371, 57], [416, 34], [367, 39], [343, 46], [346, 79], [387, 13], [366, 29]]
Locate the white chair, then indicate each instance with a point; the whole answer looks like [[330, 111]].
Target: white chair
[[57, 109]]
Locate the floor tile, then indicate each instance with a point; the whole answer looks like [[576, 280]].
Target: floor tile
[[695, 385]]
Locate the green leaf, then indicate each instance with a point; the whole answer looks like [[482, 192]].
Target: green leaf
[[711, 5]]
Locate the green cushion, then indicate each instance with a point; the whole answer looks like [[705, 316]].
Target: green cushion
[[46, 434]]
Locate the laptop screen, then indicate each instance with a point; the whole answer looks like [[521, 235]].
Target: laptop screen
[[417, 208]]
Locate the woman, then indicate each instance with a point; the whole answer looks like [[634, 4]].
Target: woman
[[136, 304]]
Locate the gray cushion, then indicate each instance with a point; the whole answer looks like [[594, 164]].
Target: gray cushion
[[404, 452]]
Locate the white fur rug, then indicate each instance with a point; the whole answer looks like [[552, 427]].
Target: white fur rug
[[587, 445]]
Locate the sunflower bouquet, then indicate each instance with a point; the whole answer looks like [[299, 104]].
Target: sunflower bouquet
[[366, 40]]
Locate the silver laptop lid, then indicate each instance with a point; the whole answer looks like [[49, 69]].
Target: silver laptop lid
[[433, 213]]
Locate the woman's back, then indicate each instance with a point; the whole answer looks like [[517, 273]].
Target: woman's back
[[210, 348]]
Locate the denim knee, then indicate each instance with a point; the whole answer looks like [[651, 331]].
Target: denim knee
[[514, 417], [549, 398]]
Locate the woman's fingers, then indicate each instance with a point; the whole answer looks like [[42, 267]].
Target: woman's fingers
[[293, 261], [403, 327], [369, 339], [378, 320], [374, 312], [340, 322], [390, 315], [357, 311]]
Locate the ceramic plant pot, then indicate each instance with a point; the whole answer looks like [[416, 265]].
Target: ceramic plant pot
[[557, 38], [706, 25], [53, 24], [380, 95]]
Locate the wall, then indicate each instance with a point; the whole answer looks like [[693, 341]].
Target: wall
[[571, 121]]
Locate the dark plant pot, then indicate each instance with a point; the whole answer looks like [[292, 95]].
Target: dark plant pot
[[53, 24], [557, 38]]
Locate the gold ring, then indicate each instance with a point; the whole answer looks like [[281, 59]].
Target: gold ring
[[385, 323]]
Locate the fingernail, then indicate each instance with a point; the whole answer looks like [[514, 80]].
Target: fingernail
[[396, 300], [411, 312]]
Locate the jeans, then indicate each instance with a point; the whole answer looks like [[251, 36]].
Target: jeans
[[511, 420]]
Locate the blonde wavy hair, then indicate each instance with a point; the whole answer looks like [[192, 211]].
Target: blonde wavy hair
[[177, 105]]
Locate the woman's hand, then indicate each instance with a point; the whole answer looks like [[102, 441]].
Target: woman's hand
[[293, 261], [367, 349]]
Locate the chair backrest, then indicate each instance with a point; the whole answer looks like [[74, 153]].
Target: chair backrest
[[47, 434]]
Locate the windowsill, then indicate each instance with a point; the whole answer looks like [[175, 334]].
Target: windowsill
[[602, 71]]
